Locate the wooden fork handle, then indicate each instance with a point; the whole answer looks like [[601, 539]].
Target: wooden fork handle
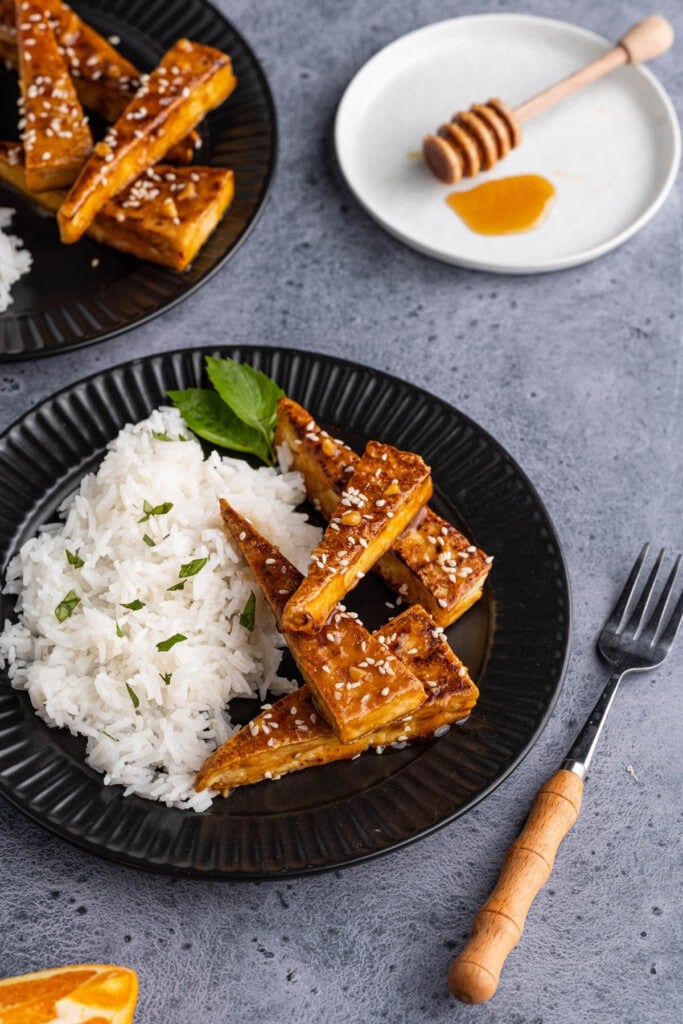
[[497, 928]]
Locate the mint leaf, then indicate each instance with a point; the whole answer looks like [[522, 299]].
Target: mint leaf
[[154, 510], [166, 645], [160, 435], [251, 395], [74, 560], [166, 677], [119, 631], [192, 568], [148, 540], [177, 586], [133, 696], [135, 605], [248, 615], [67, 606], [205, 413]]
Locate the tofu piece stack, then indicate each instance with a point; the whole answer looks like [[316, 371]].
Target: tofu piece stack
[[358, 684], [386, 491], [104, 80], [55, 133], [164, 217], [189, 82], [432, 563], [292, 734]]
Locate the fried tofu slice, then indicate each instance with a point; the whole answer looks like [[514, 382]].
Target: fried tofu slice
[[104, 80], [415, 639], [358, 685], [8, 34], [431, 563], [55, 133], [386, 491], [291, 734], [189, 82], [164, 217]]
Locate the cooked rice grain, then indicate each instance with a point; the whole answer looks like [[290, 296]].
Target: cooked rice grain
[[76, 671]]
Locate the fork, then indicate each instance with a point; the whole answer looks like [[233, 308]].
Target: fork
[[634, 639]]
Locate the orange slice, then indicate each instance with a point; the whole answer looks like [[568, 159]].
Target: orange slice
[[78, 994]]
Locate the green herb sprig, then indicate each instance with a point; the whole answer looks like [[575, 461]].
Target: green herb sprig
[[154, 510], [67, 606], [240, 414], [73, 559], [166, 645], [248, 614], [192, 568]]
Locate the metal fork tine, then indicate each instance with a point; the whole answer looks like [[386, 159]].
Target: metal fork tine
[[627, 593], [655, 621], [637, 616], [669, 634]]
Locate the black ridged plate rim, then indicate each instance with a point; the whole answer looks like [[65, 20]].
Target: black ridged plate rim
[[50, 313], [43, 456]]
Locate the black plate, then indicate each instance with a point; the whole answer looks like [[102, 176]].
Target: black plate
[[515, 639], [64, 301]]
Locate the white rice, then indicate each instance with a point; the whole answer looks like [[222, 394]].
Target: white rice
[[14, 259], [76, 671]]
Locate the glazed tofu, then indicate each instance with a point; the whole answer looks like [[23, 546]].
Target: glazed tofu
[[165, 216], [385, 492], [8, 34], [431, 563], [104, 80], [55, 133], [415, 639], [292, 735], [358, 685], [190, 81], [284, 738]]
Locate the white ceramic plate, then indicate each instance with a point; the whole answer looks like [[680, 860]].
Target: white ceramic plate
[[611, 151]]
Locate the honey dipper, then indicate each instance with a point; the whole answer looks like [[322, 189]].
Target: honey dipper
[[475, 139]]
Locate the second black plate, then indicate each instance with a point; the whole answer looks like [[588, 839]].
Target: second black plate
[[515, 640], [65, 301]]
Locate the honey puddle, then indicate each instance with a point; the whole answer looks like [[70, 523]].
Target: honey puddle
[[504, 206]]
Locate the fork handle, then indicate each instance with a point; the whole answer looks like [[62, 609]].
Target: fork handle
[[497, 928]]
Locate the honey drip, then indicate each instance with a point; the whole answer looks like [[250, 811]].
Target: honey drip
[[504, 206]]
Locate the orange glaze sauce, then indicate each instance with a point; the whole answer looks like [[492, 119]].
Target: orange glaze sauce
[[504, 206]]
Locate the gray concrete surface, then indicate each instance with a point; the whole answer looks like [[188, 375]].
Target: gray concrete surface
[[578, 375]]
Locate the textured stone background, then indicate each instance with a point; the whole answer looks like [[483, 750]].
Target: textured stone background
[[578, 375]]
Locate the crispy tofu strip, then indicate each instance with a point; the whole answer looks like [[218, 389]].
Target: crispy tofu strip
[[190, 81], [431, 563], [55, 133], [358, 685], [104, 80], [165, 216], [385, 492], [8, 34], [292, 735]]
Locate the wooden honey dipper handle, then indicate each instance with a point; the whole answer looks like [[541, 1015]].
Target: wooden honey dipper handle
[[497, 928], [476, 138], [646, 40]]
